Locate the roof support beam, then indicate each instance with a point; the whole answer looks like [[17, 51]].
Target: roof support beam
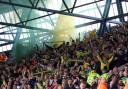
[[21, 26], [37, 3], [107, 20], [50, 13], [51, 10], [16, 12], [18, 33], [120, 9], [59, 12], [52, 23], [66, 6], [99, 9], [30, 13], [73, 6], [7, 40], [28, 20], [6, 43], [125, 0], [6, 22], [31, 2], [14, 33], [103, 26]]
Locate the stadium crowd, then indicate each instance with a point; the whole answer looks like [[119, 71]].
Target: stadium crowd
[[94, 63]]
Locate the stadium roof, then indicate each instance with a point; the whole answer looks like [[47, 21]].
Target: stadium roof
[[36, 21]]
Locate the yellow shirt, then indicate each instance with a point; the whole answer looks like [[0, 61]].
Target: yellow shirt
[[63, 60], [85, 65], [91, 76], [79, 54], [105, 75]]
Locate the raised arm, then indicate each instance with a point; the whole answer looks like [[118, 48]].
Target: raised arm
[[99, 58], [110, 59]]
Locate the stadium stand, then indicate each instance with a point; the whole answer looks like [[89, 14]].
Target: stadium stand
[[94, 63]]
